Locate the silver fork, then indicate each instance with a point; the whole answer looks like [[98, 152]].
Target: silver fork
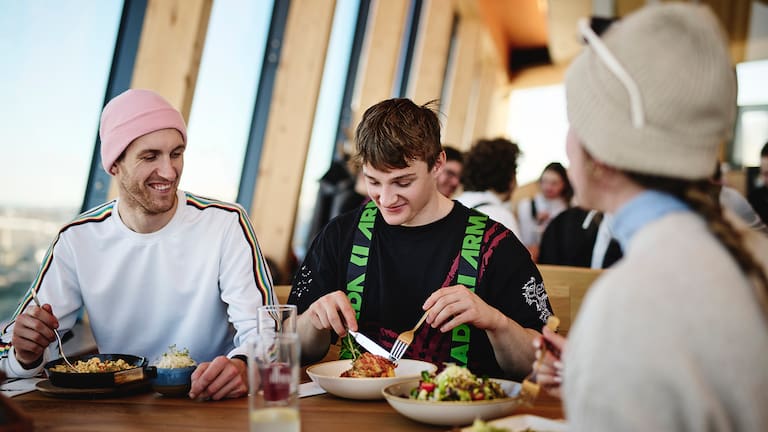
[[56, 332], [404, 340]]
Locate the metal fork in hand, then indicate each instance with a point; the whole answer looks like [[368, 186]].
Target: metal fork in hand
[[404, 340], [56, 332]]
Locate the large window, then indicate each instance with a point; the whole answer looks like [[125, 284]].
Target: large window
[[327, 115], [539, 124], [56, 58], [227, 82], [752, 122]]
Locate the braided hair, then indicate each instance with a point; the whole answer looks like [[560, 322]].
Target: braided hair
[[702, 197]]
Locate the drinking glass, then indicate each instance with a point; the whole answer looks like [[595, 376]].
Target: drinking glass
[[273, 375], [277, 319]]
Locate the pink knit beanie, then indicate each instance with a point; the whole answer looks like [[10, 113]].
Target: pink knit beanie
[[131, 114]]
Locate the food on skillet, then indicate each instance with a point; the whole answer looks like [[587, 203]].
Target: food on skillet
[[94, 364], [456, 383], [368, 365], [175, 358]]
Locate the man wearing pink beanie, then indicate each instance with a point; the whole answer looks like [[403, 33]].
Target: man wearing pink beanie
[[155, 267]]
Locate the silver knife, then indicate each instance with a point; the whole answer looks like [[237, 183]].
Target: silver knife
[[371, 346]]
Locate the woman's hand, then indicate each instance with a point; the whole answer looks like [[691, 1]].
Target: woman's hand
[[550, 372]]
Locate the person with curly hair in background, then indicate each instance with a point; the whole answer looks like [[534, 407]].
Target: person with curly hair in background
[[490, 177]]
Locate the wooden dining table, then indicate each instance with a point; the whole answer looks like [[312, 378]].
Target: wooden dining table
[[149, 411]]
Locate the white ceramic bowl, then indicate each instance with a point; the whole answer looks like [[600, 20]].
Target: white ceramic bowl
[[525, 422], [328, 376], [450, 413]]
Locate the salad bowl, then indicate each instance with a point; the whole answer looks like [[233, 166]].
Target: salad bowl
[[328, 376], [450, 413]]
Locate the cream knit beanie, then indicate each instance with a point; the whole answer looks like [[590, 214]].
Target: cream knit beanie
[[676, 59]]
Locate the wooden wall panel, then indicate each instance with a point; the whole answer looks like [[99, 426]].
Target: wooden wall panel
[[461, 82], [289, 127], [170, 48], [734, 16], [380, 54], [498, 113], [490, 76], [426, 81], [624, 7], [564, 42]]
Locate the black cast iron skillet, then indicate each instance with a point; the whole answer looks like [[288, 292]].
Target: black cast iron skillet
[[139, 372]]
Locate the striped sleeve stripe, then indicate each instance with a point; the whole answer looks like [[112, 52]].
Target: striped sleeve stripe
[[97, 214], [260, 269]]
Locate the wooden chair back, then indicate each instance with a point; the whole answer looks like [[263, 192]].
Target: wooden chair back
[[566, 287], [282, 292]]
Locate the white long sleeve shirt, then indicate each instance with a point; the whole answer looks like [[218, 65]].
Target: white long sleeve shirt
[[196, 283]]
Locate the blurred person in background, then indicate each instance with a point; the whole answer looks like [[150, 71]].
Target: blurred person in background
[[758, 196], [734, 201], [554, 196], [674, 336], [581, 238], [490, 173], [449, 178]]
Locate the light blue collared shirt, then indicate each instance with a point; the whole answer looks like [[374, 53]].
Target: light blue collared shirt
[[642, 210]]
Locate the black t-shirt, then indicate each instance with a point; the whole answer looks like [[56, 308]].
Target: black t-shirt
[[406, 264]]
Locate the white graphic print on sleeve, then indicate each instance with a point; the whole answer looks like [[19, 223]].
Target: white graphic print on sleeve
[[535, 293], [303, 281]]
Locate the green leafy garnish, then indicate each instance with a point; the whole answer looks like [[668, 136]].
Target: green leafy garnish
[[351, 346]]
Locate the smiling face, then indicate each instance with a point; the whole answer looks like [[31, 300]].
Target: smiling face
[[405, 196], [148, 174]]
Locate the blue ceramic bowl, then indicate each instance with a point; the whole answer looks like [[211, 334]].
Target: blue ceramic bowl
[[173, 382]]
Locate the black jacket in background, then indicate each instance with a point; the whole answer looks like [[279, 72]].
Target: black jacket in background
[[566, 242]]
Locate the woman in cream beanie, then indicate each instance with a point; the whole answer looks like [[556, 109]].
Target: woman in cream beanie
[[675, 336]]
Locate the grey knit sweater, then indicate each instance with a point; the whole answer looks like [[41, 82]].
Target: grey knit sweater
[[671, 338]]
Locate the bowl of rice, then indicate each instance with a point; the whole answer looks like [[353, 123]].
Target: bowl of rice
[[174, 372]]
